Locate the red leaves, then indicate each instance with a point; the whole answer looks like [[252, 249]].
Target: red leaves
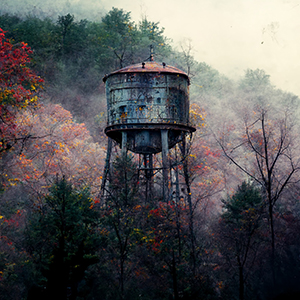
[[13, 221], [18, 87], [18, 82], [167, 220]]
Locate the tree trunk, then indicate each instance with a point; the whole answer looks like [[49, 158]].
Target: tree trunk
[[241, 283], [174, 277], [272, 243], [189, 200], [122, 261], [241, 279]]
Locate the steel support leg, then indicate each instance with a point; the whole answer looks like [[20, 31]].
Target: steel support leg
[[164, 153]]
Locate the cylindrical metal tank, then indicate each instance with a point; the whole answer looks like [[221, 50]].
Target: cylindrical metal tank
[[144, 99]]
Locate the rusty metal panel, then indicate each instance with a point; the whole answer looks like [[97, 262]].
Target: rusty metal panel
[[151, 98], [139, 96], [148, 67]]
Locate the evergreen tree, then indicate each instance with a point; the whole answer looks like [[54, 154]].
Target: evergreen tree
[[239, 233], [62, 239]]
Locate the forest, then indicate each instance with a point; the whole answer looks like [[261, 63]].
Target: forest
[[234, 234]]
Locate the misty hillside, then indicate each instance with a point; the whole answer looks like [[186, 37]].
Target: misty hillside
[[231, 231]]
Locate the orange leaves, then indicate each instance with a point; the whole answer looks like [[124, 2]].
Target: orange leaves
[[137, 208], [59, 146], [93, 202]]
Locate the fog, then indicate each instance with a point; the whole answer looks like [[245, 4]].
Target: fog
[[230, 226], [231, 36]]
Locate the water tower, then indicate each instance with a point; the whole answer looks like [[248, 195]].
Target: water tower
[[147, 112]]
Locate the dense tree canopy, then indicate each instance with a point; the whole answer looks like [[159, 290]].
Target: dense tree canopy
[[18, 87], [231, 229], [62, 240]]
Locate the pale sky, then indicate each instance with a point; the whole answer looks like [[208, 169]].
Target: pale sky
[[229, 35], [232, 35]]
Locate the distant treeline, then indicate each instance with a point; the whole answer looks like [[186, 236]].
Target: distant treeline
[[230, 232]]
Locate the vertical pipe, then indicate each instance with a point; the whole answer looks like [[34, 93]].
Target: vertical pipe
[[124, 143], [177, 176], [140, 166], [146, 176], [148, 166], [164, 154], [107, 163], [151, 175]]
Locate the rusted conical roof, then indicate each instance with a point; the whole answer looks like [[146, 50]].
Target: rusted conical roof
[[148, 67]]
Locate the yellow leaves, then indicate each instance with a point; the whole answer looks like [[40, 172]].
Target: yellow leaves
[[13, 181], [197, 116], [147, 239], [220, 285]]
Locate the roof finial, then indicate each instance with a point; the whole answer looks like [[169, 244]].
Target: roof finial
[[151, 53]]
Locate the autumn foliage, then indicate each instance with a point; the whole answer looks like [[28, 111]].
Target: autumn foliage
[[18, 87], [63, 237], [58, 147]]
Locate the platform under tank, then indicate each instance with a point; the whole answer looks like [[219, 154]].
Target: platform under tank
[[143, 100]]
